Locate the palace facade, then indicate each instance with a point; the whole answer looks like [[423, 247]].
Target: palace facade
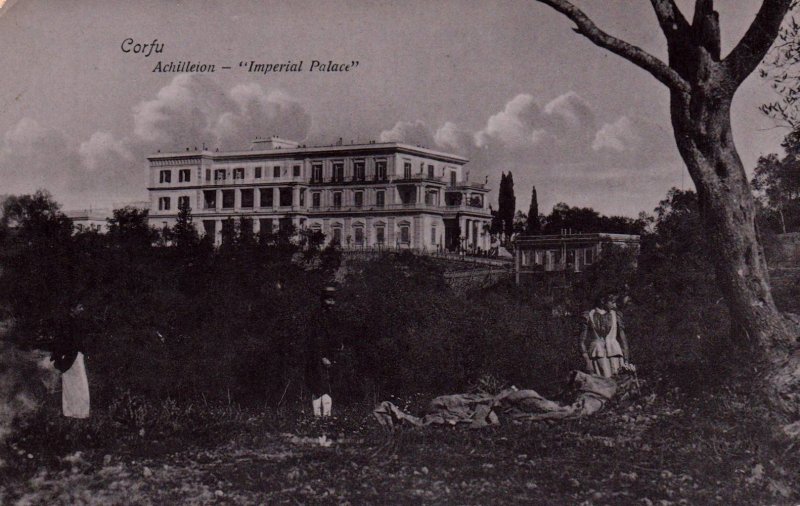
[[390, 194]]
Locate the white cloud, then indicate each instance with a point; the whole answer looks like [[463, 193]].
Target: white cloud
[[109, 170], [618, 136], [261, 113], [558, 147], [187, 112], [524, 125], [182, 114], [102, 147], [514, 125], [193, 109], [571, 108], [416, 133], [33, 156], [454, 138]]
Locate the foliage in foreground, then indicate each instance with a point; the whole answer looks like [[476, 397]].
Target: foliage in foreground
[[176, 319], [712, 448], [194, 382]]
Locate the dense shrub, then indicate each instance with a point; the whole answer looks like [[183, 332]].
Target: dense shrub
[[677, 322], [189, 322], [198, 324]]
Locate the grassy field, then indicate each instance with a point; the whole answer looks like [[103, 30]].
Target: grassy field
[[697, 433], [664, 447]]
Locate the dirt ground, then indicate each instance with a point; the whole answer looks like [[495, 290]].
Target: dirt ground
[[661, 448]]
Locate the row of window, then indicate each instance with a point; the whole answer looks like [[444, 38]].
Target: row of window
[[404, 235], [585, 256], [240, 173], [431, 172], [246, 225], [359, 172], [184, 176], [358, 237], [165, 203], [286, 199], [267, 225], [358, 199], [267, 199], [247, 198]]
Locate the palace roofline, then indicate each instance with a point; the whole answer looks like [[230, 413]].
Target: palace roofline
[[576, 237], [342, 149]]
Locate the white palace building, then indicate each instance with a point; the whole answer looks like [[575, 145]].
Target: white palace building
[[387, 194]]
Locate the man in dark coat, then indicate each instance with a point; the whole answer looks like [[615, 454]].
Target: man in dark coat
[[320, 348]]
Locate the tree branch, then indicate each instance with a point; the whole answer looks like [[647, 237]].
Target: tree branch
[[639, 57], [669, 17], [749, 52], [705, 26]]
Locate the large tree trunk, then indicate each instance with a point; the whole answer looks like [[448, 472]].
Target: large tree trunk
[[702, 85], [702, 127]]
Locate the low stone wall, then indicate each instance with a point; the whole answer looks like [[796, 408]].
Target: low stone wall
[[461, 273], [475, 279]]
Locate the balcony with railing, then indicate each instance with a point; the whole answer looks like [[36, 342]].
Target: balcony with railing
[[248, 210], [234, 177], [419, 178], [407, 206], [350, 208], [466, 186], [466, 208], [349, 180]]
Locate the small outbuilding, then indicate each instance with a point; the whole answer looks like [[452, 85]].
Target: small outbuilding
[[564, 252]]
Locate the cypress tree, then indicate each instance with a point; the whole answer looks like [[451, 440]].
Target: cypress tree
[[508, 208], [502, 203], [533, 225]]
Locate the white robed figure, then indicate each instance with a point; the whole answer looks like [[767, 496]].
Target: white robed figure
[[69, 359], [75, 390]]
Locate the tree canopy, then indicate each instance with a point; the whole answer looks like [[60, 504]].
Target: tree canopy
[[565, 218], [776, 182]]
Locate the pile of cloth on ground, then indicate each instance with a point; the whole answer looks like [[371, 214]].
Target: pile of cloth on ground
[[589, 393]]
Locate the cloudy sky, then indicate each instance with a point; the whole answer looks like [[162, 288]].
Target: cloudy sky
[[507, 84]]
